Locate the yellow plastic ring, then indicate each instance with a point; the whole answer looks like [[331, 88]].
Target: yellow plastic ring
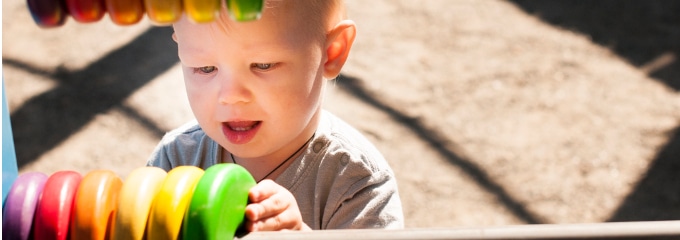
[[134, 202], [202, 11], [163, 12], [169, 205]]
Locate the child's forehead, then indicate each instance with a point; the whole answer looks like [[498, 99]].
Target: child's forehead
[[259, 37]]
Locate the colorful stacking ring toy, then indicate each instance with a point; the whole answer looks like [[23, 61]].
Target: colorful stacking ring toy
[[53, 13], [167, 212], [95, 203], [19, 208], [202, 11], [47, 13], [125, 12], [134, 202], [163, 11], [245, 10], [55, 206], [218, 203], [185, 203], [86, 11]]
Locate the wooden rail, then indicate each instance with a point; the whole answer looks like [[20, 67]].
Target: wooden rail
[[618, 230]]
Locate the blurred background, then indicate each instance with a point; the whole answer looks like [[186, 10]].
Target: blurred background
[[489, 112]]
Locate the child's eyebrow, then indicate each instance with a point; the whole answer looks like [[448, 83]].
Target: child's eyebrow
[[191, 54], [272, 49]]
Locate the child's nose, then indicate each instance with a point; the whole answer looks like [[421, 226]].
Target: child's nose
[[233, 90]]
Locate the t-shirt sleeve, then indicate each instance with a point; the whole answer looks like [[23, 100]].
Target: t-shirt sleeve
[[159, 157], [186, 145], [371, 202], [345, 182]]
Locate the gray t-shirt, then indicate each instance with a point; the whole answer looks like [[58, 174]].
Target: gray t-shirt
[[341, 180]]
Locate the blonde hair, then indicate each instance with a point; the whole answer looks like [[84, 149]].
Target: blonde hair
[[324, 14]]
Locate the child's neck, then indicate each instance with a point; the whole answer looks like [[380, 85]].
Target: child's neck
[[263, 167]]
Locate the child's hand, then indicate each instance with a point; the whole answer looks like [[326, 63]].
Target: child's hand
[[272, 208]]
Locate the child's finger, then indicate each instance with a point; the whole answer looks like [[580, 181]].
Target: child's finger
[[263, 190], [269, 207], [282, 221]]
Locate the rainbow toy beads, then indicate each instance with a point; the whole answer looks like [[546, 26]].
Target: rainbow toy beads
[[150, 204], [53, 13]]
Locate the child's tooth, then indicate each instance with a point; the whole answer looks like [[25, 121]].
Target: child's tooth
[[242, 128]]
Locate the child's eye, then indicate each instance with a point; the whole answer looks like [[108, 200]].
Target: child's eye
[[205, 70], [262, 66]]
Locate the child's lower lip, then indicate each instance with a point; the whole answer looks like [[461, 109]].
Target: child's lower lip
[[240, 136]]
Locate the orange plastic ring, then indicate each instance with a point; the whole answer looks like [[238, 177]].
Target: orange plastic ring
[[95, 205], [125, 12]]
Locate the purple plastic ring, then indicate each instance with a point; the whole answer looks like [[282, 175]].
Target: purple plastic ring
[[22, 199]]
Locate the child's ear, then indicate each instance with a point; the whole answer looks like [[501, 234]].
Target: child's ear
[[174, 37], [338, 43]]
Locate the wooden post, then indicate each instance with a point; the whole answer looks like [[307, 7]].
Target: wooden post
[[618, 230]]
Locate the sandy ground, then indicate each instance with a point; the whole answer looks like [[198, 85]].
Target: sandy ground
[[489, 112]]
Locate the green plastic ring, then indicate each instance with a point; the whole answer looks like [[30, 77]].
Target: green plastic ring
[[245, 10], [218, 204]]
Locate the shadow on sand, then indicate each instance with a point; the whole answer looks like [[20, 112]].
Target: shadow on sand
[[647, 34], [48, 119], [441, 145]]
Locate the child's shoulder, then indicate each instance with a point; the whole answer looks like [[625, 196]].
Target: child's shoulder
[[336, 130], [349, 144], [188, 131], [185, 145]]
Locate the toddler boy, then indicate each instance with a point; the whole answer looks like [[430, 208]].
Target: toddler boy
[[256, 90]]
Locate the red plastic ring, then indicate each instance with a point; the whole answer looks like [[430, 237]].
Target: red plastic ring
[[53, 214], [86, 11]]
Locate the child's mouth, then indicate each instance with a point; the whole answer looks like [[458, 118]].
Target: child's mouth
[[240, 132]]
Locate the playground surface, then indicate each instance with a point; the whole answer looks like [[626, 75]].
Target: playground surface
[[490, 112]]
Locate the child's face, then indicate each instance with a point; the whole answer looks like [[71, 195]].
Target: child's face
[[254, 87]]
